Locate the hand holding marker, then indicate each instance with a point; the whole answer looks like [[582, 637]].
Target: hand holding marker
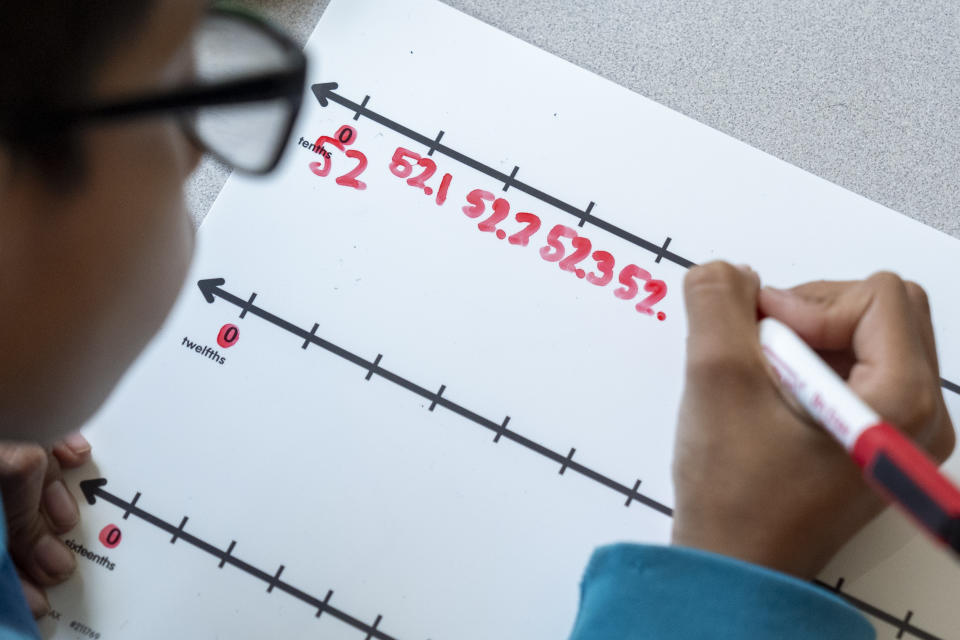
[[892, 464]]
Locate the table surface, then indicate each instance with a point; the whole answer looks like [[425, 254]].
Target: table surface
[[863, 93]]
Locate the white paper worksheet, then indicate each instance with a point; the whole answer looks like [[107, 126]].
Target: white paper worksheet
[[409, 387]]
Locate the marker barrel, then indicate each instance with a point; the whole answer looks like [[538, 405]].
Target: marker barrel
[[891, 463]]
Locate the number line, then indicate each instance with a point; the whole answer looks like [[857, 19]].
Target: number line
[[211, 290], [325, 93], [93, 489]]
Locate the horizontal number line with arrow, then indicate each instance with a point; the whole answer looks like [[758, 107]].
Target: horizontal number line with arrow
[[324, 93], [211, 289], [93, 489]]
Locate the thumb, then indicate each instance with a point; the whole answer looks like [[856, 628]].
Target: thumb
[[721, 302]]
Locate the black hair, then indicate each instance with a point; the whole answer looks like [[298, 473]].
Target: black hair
[[50, 52]]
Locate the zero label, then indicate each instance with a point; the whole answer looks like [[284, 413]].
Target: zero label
[[228, 336], [110, 536]]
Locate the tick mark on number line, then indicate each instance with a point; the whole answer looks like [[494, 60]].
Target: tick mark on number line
[[179, 530], [129, 509], [433, 405], [246, 307], [373, 369], [276, 578], [906, 622], [586, 214], [636, 487], [376, 623], [326, 601], [503, 427], [433, 147], [837, 587], [567, 461], [226, 554], [363, 105], [663, 249], [506, 185], [309, 339]]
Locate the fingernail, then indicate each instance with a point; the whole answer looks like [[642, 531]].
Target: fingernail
[[60, 505], [54, 557], [39, 606], [77, 443]]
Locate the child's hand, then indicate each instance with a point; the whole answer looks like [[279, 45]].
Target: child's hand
[[754, 478], [39, 509]]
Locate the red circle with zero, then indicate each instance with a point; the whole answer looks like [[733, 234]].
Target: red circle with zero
[[110, 536], [228, 336]]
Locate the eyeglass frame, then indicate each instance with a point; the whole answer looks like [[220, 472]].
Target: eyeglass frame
[[286, 83]]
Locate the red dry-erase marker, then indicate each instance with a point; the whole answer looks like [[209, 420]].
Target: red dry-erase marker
[[890, 461]]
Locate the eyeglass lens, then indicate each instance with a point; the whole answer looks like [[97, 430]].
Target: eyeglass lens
[[246, 135]]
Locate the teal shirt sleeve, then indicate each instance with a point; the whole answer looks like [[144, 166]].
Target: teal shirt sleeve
[[634, 591], [16, 621]]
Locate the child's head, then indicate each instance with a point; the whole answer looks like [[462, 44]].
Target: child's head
[[94, 239]]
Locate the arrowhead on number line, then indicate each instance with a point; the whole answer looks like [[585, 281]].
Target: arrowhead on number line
[[323, 90], [209, 287], [89, 488]]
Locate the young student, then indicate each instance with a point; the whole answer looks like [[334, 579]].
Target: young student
[[95, 243]]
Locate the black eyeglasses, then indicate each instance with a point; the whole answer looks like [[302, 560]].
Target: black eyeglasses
[[243, 105]]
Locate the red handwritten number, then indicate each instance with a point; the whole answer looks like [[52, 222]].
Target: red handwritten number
[[476, 198], [630, 288], [321, 169], [657, 290], [554, 252], [522, 237], [501, 209], [605, 264], [582, 246], [430, 168], [444, 187], [350, 179], [400, 167]]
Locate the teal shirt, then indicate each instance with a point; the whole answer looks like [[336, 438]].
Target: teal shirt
[[16, 621], [634, 592]]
